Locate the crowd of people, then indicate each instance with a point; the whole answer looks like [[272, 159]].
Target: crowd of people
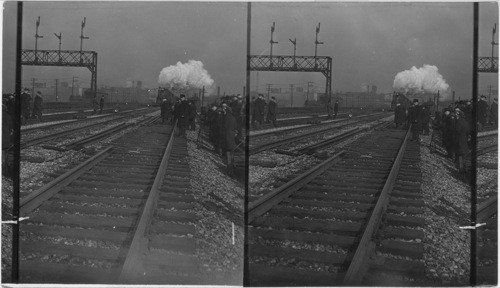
[[225, 121], [31, 108], [258, 109], [454, 123]]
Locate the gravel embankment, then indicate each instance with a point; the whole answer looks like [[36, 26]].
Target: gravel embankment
[[220, 204], [447, 199]]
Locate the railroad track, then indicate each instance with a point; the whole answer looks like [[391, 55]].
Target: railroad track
[[58, 135], [352, 219], [289, 130], [123, 216], [260, 147], [487, 242], [46, 125]]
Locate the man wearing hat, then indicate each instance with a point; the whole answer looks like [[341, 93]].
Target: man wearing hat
[[414, 119], [38, 106], [25, 105], [494, 112], [461, 147], [182, 114], [271, 111], [482, 110], [165, 109], [258, 110]]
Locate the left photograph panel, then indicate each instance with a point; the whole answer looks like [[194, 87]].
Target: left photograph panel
[[132, 162]]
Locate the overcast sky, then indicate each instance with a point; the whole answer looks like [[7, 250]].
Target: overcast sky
[[369, 42], [134, 40]]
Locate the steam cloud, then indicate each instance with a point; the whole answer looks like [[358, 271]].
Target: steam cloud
[[183, 77], [421, 80]]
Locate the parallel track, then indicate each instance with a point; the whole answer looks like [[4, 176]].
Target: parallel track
[[327, 227], [81, 227]]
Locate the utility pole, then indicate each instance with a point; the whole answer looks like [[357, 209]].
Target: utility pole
[[59, 37], [36, 38], [33, 90], [489, 94], [82, 38], [453, 99], [72, 87], [291, 95], [308, 85], [272, 43], [316, 45], [268, 91], [294, 42], [57, 80], [244, 89], [493, 43], [257, 83], [218, 92]]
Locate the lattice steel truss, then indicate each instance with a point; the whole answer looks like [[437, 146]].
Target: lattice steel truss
[[63, 58], [321, 64], [488, 64]]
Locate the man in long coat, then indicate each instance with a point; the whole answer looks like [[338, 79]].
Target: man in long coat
[[482, 110], [399, 114], [38, 106], [335, 109], [425, 115], [25, 105], [494, 112], [182, 114], [258, 110], [271, 111], [414, 119], [230, 130], [461, 132]]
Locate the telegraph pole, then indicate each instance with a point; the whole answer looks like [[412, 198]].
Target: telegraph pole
[[81, 41], [316, 44], [33, 90], [308, 85], [493, 43], [59, 37], [57, 80], [294, 42], [268, 91], [36, 38], [272, 43], [291, 95], [218, 92]]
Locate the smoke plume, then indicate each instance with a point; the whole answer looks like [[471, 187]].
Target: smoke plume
[[421, 80], [184, 77]]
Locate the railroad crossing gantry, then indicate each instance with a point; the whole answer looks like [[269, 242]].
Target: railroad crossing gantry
[[321, 64], [64, 58], [489, 64]]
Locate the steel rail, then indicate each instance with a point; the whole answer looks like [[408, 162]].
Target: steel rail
[[314, 125], [78, 144], [69, 121], [35, 199], [136, 250], [44, 138], [353, 275], [335, 139], [266, 146], [266, 202], [487, 209]]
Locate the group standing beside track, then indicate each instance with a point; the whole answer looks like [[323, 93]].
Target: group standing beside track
[[453, 123]]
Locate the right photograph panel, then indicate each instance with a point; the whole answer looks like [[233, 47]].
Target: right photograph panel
[[370, 140]]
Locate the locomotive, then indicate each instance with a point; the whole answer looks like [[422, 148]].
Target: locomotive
[[401, 98]]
